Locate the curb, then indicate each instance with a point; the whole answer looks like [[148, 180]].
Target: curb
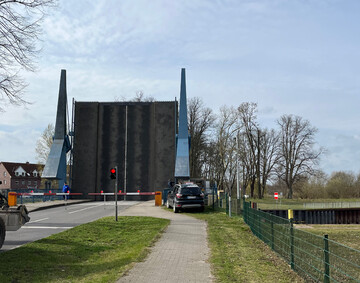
[[52, 205]]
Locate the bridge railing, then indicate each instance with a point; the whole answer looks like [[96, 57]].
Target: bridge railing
[[316, 258], [37, 195]]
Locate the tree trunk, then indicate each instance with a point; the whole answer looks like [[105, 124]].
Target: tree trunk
[[290, 194], [252, 187]]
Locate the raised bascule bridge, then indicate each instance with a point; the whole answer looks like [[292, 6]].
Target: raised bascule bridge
[[148, 143]]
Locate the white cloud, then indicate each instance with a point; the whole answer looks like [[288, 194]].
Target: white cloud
[[18, 145], [291, 57]]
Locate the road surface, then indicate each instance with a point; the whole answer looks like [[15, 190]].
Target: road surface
[[44, 223]]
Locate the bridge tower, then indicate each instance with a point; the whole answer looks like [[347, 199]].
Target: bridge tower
[[182, 163], [55, 167]]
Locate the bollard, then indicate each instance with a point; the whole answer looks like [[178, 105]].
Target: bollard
[[12, 199], [158, 198], [290, 214]]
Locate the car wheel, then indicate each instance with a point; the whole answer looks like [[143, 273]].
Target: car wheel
[[2, 232], [176, 209], [167, 204]]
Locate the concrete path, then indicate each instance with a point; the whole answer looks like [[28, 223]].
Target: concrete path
[[180, 255]]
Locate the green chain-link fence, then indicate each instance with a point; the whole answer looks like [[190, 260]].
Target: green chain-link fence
[[314, 257]]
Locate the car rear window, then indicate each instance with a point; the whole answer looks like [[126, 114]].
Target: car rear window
[[191, 190]]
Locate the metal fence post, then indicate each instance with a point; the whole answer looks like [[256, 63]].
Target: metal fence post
[[213, 198], [249, 216], [258, 224], [292, 243], [226, 203], [272, 235], [245, 210], [326, 259]]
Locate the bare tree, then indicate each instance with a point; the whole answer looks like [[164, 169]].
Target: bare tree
[[200, 120], [269, 157], [251, 132], [226, 130], [19, 34], [44, 143], [297, 154], [140, 97]]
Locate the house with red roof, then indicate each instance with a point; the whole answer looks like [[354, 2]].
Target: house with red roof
[[17, 176]]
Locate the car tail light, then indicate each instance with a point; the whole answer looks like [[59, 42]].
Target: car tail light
[[178, 195]]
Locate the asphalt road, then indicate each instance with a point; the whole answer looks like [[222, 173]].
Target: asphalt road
[[44, 223]]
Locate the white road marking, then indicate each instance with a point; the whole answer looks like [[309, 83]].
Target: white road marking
[[42, 219], [85, 208]]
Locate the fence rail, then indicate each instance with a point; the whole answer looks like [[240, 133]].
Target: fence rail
[[314, 257]]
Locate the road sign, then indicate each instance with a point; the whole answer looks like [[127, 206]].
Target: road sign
[[276, 195]]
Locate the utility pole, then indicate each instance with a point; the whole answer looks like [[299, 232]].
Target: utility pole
[[125, 154], [237, 167], [115, 191], [258, 162]]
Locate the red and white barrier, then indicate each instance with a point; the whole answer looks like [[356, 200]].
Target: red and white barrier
[[90, 194], [125, 194]]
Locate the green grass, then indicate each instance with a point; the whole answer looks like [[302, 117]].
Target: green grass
[[101, 251], [238, 256], [348, 235]]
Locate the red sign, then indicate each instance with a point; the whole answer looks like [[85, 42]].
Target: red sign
[[276, 195]]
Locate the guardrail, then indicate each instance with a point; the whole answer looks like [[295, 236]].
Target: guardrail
[[314, 257], [329, 205]]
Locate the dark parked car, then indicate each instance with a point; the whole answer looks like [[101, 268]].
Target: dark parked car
[[184, 196]]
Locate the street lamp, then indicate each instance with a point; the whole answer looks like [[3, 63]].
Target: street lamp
[[238, 186], [237, 167]]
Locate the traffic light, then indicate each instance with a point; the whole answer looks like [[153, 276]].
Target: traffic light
[[113, 173]]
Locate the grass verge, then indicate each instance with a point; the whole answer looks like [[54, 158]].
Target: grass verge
[[101, 251], [238, 256]]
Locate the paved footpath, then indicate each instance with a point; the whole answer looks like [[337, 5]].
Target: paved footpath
[[180, 255]]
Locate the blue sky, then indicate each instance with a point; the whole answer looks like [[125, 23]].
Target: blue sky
[[291, 57]]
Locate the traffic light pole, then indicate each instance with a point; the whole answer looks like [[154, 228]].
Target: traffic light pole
[[115, 191], [125, 153]]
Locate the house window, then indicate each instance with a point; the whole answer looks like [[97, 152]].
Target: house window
[[4, 173], [17, 183], [35, 174], [23, 174], [16, 173], [22, 182], [29, 183], [4, 182], [35, 183]]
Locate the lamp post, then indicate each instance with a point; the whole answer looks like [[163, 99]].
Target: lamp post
[[237, 167]]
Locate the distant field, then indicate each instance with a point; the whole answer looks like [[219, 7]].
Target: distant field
[[348, 235], [284, 203]]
